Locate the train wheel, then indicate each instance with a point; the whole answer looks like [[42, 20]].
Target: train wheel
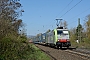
[[60, 47], [55, 47]]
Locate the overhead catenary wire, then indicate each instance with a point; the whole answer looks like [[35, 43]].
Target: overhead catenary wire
[[65, 7], [67, 11], [62, 11], [78, 15], [70, 9]]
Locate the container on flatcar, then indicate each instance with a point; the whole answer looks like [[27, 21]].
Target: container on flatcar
[[39, 37], [44, 38], [50, 38]]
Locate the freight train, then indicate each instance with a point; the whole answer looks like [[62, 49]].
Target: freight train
[[57, 38]]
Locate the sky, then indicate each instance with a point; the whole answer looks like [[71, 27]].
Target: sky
[[41, 15]]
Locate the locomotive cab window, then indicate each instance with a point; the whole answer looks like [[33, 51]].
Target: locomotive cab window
[[59, 32]]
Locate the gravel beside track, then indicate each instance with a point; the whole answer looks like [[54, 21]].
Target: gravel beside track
[[61, 54]]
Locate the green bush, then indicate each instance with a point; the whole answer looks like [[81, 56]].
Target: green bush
[[13, 50]]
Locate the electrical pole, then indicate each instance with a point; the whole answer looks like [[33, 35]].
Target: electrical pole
[[79, 31]]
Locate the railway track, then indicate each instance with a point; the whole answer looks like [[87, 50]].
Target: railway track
[[64, 54], [80, 54]]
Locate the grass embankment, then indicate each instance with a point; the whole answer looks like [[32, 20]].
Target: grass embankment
[[84, 44], [37, 54]]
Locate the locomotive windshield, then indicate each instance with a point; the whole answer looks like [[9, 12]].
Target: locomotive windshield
[[59, 32]]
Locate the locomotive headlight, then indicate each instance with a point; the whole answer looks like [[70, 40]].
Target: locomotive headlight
[[67, 39], [58, 40]]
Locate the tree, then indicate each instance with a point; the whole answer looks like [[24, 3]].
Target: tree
[[65, 24], [73, 34], [88, 26], [48, 31], [12, 45], [9, 13]]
